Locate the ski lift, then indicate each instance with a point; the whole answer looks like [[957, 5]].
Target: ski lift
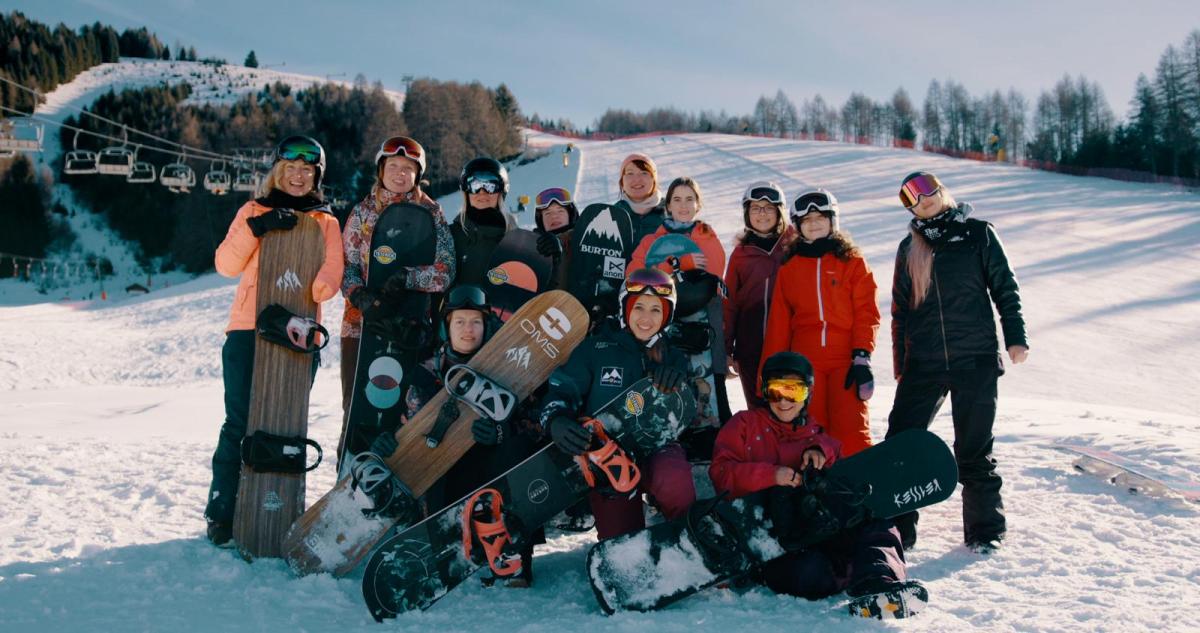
[[247, 181], [19, 135], [142, 173], [79, 161], [217, 181], [177, 176], [116, 160], [334, 196]]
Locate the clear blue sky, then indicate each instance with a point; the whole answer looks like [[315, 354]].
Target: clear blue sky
[[575, 59]]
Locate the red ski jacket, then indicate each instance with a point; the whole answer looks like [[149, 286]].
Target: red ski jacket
[[753, 444]]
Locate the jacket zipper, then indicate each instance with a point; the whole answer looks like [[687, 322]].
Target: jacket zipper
[[820, 303], [942, 318]]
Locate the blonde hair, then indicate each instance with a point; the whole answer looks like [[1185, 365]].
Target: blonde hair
[[920, 256], [683, 181], [271, 180]]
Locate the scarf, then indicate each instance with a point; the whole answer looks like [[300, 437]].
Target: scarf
[[766, 242], [678, 227], [948, 226], [277, 199], [643, 207], [814, 249]]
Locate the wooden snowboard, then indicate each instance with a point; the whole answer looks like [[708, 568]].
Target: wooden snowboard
[[268, 503], [334, 535]]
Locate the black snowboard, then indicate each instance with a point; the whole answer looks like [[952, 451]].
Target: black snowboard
[[723, 539], [403, 236], [601, 245], [518, 272], [415, 567]]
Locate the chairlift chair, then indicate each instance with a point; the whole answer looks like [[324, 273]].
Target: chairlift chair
[[142, 173], [217, 181], [20, 135], [79, 161], [247, 181], [177, 177], [115, 161]]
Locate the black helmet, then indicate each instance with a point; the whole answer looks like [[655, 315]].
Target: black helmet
[[303, 148], [787, 364], [466, 297], [484, 170]]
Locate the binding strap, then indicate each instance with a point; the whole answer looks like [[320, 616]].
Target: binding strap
[[484, 521], [266, 452], [622, 473]]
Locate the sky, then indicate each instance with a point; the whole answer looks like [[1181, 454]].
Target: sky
[[576, 59]]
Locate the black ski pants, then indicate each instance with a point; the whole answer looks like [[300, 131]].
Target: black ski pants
[[865, 559], [972, 393]]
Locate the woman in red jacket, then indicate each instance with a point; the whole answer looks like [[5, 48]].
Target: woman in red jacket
[[765, 450], [823, 306], [751, 277]]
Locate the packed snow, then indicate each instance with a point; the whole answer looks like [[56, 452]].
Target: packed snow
[[112, 410]]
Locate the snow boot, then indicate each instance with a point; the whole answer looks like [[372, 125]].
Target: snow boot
[[901, 600]]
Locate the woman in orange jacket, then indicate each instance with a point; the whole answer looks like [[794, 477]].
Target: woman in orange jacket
[[292, 186], [823, 306]]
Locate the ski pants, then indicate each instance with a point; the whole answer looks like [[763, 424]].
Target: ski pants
[[844, 416], [349, 366], [860, 560], [237, 372], [973, 393], [666, 476]]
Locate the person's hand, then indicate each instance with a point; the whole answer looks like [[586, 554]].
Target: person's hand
[[273, 220], [372, 307], [488, 432], [859, 375], [1018, 353], [570, 436], [785, 476], [814, 457], [666, 378], [548, 244], [394, 289], [700, 261]]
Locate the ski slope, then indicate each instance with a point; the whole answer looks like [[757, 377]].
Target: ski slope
[[111, 411]]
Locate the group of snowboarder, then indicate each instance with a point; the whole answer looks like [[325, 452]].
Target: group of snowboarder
[[794, 316]]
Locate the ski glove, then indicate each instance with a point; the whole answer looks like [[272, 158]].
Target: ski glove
[[666, 378], [860, 375], [569, 436], [273, 220], [489, 432], [372, 307], [548, 245], [395, 289], [385, 444]]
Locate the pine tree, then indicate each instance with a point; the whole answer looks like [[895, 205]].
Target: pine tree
[[251, 60]]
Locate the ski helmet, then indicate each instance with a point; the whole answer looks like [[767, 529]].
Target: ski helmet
[[652, 282], [767, 191], [818, 200], [786, 364], [306, 149], [401, 146], [562, 196], [484, 170], [465, 297]]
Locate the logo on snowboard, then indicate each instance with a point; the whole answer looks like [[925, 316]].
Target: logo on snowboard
[[916, 493], [611, 376], [497, 276], [288, 282], [604, 227], [538, 491], [635, 403], [518, 356], [385, 255], [555, 323], [272, 502]]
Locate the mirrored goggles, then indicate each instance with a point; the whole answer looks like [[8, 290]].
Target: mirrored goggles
[[483, 183], [923, 185], [791, 389], [552, 195]]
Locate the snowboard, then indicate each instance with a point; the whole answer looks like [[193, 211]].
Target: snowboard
[[601, 245], [691, 330], [723, 539], [404, 235], [518, 272], [1134, 476], [268, 502], [416, 567], [339, 530]]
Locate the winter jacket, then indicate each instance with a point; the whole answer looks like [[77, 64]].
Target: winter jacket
[[822, 307], [561, 279], [701, 233], [750, 279], [954, 327], [603, 366], [643, 225], [238, 255], [753, 445], [356, 242], [474, 244]]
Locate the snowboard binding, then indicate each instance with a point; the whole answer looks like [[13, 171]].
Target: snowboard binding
[[299, 334], [266, 452], [390, 498], [483, 522], [622, 473], [718, 538]]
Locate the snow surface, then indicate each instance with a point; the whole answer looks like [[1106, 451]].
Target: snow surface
[[111, 411]]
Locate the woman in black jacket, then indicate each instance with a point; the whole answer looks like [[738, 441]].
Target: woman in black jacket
[[944, 341]]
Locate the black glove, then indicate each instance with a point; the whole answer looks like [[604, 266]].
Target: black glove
[[860, 375], [385, 444], [406, 332], [395, 290], [273, 220], [489, 432], [570, 436], [372, 307], [666, 378], [548, 244]]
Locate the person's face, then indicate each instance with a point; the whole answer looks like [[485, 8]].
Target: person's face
[[929, 206], [466, 330], [683, 204], [646, 317], [636, 183], [297, 177], [763, 216], [484, 200], [786, 410], [400, 174], [555, 216], [814, 226]]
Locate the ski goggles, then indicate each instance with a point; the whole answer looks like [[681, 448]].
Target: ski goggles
[[638, 288], [486, 183], [791, 389], [401, 146], [815, 201], [768, 194], [552, 195], [300, 149], [916, 187], [466, 298]]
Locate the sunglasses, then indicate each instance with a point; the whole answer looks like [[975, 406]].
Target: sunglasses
[[924, 185], [401, 146], [810, 202], [786, 389], [770, 194], [637, 288], [552, 195], [483, 183], [301, 150]]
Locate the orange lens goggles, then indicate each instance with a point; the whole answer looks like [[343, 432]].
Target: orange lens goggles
[[778, 389]]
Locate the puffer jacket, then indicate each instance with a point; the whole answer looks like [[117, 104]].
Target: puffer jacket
[[238, 255], [753, 445]]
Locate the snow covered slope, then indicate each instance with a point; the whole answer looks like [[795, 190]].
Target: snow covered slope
[[111, 411]]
